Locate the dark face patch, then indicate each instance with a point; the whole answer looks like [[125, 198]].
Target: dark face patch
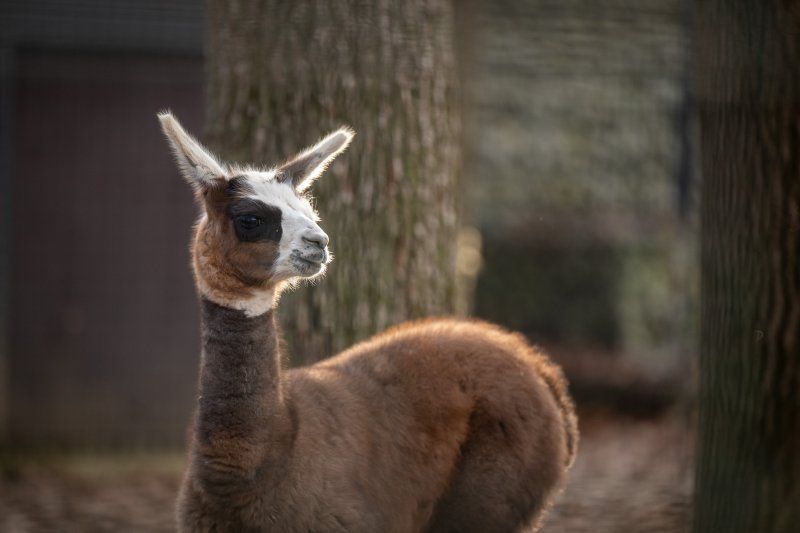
[[234, 254], [255, 221]]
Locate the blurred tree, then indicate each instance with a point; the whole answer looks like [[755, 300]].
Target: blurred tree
[[283, 73], [748, 462]]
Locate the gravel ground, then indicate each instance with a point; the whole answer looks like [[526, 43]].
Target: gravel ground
[[630, 477]]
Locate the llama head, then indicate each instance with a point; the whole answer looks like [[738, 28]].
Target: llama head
[[258, 231]]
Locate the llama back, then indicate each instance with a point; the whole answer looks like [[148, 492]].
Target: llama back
[[513, 342]]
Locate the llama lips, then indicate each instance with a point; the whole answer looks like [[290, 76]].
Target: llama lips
[[306, 264], [316, 255]]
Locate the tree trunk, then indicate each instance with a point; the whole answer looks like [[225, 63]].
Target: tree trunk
[[281, 74], [748, 461]]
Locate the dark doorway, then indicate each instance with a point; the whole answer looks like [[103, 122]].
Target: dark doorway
[[103, 319]]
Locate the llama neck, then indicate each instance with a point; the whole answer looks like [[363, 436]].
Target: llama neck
[[241, 416]]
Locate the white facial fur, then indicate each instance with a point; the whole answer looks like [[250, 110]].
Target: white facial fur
[[298, 220]]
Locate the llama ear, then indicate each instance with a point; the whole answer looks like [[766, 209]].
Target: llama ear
[[196, 163], [309, 164]]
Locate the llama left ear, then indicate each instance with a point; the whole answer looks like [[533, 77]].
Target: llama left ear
[[309, 164]]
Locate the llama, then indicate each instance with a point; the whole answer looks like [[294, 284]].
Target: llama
[[436, 425]]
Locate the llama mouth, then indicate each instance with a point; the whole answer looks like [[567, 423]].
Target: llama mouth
[[309, 262], [305, 265]]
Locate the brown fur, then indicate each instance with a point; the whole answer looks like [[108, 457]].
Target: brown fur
[[440, 425]]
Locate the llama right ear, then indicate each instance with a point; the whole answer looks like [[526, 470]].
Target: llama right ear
[[196, 163]]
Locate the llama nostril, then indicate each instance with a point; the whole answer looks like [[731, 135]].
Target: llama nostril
[[317, 239]]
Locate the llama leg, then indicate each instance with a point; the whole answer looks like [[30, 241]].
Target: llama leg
[[505, 476]]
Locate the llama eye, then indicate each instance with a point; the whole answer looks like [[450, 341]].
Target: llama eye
[[248, 222]]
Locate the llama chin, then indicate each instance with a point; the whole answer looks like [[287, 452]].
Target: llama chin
[[432, 426]]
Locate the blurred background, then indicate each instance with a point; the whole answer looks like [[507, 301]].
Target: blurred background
[[568, 209]]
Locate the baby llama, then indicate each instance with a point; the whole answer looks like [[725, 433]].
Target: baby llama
[[440, 425]]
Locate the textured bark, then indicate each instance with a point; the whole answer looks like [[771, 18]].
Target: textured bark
[[283, 73], [748, 463]]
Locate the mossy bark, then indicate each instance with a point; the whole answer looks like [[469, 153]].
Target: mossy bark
[[748, 461], [280, 75]]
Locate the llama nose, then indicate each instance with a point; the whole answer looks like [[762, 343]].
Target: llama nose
[[317, 238]]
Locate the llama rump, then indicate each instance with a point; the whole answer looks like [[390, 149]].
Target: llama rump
[[439, 425]]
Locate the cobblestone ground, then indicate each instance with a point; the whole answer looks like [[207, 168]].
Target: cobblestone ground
[[630, 477]]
